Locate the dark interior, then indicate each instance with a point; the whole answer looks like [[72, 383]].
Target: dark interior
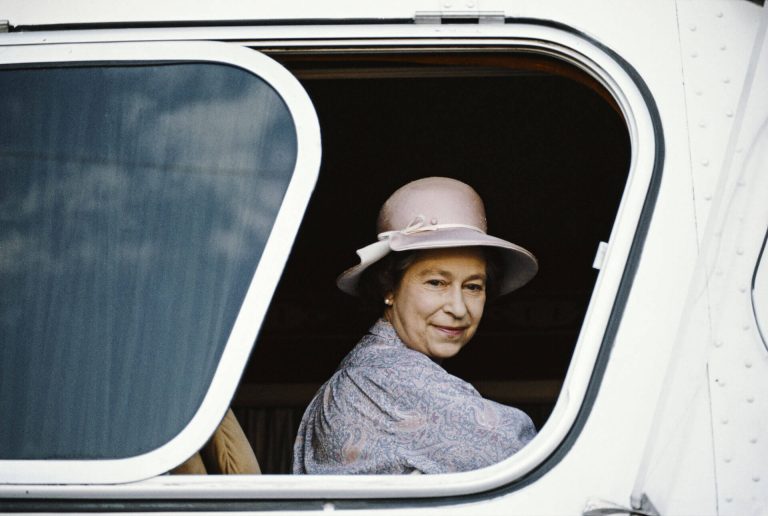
[[542, 143]]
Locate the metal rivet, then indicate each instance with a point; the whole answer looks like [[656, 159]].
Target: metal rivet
[[446, 4], [433, 221], [470, 4], [721, 383], [723, 47], [725, 422], [739, 251], [739, 150], [727, 80], [328, 507], [707, 197], [718, 343], [742, 289], [756, 479], [729, 499], [741, 182], [750, 399], [727, 460], [745, 327], [719, 14], [705, 163], [692, 28], [753, 440], [748, 365], [729, 113], [702, 123], [699, 93]]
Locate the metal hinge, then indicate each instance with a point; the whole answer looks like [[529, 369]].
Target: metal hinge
[[5, 26], [605, 508], [459, 17]]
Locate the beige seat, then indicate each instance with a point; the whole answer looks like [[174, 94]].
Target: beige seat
[[228, 452]]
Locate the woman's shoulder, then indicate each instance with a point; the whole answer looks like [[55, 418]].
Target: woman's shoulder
[[384, 365], [381, 348], [403, 379]]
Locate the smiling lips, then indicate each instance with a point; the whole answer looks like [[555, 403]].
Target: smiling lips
[[450, 331]]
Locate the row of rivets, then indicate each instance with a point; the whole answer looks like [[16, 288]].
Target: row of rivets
[[705, 162]]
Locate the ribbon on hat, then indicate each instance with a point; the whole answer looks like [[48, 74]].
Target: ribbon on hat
[[378, 250]]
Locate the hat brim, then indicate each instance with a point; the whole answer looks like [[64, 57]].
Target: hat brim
[[518, 268]]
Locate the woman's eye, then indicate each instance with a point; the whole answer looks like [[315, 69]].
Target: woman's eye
[[475, 287], [435, 282]]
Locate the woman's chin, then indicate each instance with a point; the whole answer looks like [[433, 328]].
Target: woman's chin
[[443, 350]]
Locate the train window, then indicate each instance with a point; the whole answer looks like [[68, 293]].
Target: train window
[[138, 199]]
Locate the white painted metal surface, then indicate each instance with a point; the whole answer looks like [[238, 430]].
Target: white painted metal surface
[[707, 452], [738, 365], [760, 295], [716, 43], [669, 438]]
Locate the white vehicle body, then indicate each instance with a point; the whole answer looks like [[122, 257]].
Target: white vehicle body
[[664, 409]]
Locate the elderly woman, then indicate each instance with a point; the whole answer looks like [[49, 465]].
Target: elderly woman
[[390, 407]]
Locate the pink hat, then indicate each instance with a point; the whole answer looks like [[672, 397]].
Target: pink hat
[[438, 212]]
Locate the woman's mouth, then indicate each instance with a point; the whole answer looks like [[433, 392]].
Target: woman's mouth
[[450, 331]]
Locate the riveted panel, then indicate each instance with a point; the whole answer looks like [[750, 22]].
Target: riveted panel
[[716, 39]]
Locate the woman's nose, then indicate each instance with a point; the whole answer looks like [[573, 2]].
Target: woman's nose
[[455, 304]]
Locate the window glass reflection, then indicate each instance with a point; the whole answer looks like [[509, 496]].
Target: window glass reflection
[[135, 204]]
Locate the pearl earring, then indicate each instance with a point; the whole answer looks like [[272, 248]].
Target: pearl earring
[[388, 302]]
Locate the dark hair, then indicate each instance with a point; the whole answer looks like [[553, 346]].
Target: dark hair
[[384, 276]]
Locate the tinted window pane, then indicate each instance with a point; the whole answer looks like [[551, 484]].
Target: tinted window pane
[[135, 202]]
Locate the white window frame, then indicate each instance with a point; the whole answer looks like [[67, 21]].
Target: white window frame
[[262, 285], [614, 280]]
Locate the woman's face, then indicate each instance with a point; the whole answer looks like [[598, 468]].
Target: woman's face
[[439, 302]]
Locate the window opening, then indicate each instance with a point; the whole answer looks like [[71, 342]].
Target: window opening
[[540, 140]]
